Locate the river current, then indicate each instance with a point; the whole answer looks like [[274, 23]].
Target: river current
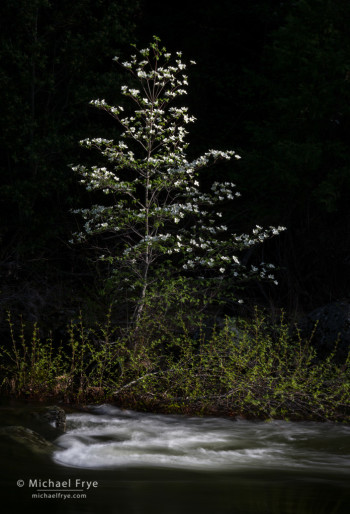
[[140, 463], [111, 438]]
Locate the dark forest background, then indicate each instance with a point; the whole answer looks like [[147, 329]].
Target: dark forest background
[[272, 82]]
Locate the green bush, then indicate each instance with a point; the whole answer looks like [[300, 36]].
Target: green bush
[[255, 368]]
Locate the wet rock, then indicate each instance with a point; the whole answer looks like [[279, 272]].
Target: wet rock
[[49, 421], [18, 441], [53, 415]]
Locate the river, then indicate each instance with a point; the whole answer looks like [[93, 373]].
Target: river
[[124, 462]]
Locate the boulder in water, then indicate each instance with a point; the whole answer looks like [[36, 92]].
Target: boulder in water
[[53, 415], [17, 441]]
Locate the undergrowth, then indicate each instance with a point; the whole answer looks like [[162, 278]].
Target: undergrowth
[[255, 369]]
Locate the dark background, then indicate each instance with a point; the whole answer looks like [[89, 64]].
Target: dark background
[[272, 82]]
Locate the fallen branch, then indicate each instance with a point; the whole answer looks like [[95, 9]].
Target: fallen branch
[[115, 393], [126, 386]]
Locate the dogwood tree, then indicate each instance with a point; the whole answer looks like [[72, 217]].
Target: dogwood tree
[[154, 200]]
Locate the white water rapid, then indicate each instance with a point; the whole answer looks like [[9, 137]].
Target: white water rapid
[[108, 437]]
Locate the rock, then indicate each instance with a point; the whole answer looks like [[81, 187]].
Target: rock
[[28, 431], [333, 323], [53, 415], [49, 421], [18, 441]]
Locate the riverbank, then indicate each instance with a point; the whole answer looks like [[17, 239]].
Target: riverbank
[[254, 370], [197, 408]]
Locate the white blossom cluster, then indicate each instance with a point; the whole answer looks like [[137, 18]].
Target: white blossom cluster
[[154, 125], [157, 206]]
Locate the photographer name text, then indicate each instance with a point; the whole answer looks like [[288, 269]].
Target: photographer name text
[[76, 484]]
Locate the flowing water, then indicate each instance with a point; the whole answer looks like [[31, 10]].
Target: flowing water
[[134, 463]]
